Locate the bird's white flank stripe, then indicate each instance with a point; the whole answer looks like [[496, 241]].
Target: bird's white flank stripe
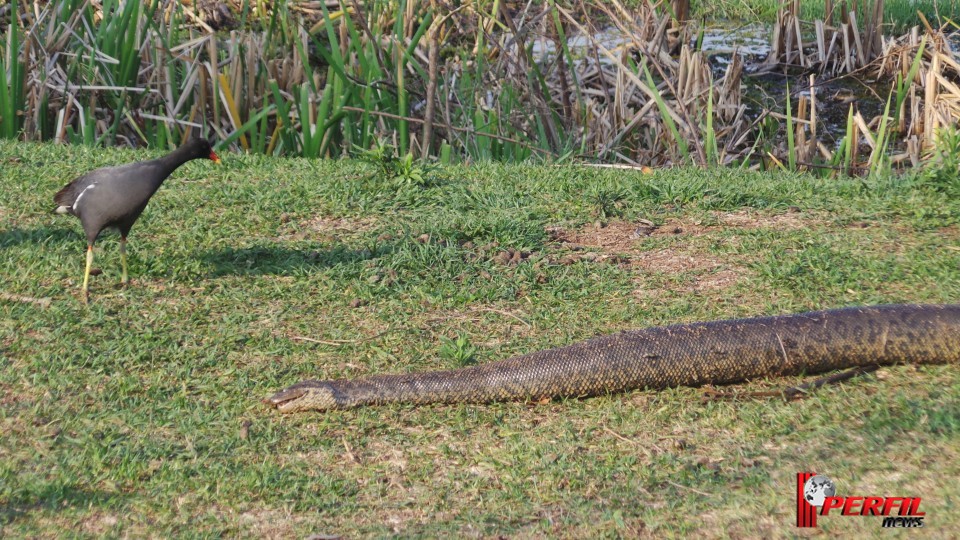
[[76, 203]]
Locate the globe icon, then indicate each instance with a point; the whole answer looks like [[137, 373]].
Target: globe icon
[[818, 488]]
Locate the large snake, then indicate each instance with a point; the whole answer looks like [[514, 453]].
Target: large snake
[[720, 352]]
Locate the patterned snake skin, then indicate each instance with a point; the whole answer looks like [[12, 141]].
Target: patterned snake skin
[[720, 352]]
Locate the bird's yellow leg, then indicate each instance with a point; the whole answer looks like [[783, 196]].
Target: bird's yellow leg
[[86, 275], [124, 280]]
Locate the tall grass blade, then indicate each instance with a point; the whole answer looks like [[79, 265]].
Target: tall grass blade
[[878, 156], [12, 96], [849, 143], [665, 113], [711, 135]]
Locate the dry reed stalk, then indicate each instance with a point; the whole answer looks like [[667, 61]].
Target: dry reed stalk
[[813, 118], [595, 100], [800, 136], [431, 86]]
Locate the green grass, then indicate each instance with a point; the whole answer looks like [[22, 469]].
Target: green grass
[[140, 416]]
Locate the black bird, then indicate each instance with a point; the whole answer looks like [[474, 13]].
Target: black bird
[[114, 197]]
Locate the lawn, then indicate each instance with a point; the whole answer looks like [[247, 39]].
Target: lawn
[[140, 414]]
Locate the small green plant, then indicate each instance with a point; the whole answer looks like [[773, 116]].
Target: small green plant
[[390, 166], [942, 169], [607, 201], [460, 350], [411, 172], [382, 155]]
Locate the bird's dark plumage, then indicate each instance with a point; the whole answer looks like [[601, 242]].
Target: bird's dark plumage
[[116, 196]]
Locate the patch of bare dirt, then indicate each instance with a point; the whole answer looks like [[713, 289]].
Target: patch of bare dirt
[[269, 523], [507, 256], [718, 280], [616, 237], [673, 261], [9, 396], [708, 273], [622, 243], [953, 231], [99, 524]]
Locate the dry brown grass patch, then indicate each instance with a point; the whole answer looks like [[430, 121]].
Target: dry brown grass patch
[[740, 219], [953, 232], [99, 523], [328, 228], [624, 236], [270, 523], [746, 219]]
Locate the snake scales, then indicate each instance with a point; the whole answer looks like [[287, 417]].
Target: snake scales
[[720, 352]]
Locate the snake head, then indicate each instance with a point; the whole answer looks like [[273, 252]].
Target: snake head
[[305, 396]]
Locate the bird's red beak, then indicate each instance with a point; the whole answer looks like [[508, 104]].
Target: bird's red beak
[[214, 157]]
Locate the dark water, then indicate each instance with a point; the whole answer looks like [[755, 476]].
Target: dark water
[[768, 90]]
